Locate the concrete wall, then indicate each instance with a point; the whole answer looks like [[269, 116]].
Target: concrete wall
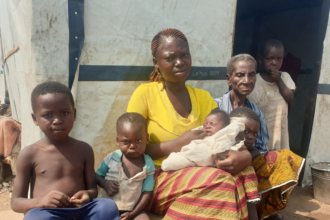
[[120, 33], [116, 33], [319, 150], [40, 29]]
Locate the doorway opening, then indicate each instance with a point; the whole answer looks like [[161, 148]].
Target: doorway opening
[[300, 25]]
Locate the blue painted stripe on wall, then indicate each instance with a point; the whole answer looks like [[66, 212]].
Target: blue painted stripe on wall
[[141, 73], [76, 35], [323, 89]]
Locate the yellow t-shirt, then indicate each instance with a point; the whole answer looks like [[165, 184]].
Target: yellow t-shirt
[[164, 123]]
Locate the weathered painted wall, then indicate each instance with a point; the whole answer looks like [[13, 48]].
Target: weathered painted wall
[[116, 33], [319, 150], [40, 29], [120, 33]]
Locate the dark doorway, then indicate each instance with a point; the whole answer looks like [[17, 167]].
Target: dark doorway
[[300, 25]]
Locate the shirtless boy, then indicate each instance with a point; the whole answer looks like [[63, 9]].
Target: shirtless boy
[[127, 175], [59, 168]]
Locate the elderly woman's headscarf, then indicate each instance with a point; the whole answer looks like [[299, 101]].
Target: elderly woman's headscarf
[[156, 76]]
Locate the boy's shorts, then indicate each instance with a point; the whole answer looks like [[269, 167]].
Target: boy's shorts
[[96, 209]]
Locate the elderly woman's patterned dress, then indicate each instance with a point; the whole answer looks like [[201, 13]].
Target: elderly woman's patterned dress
[[277, 171]]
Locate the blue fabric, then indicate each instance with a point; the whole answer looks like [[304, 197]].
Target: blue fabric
[[97, 209], [102, 170], [148, 182], [262, 137]]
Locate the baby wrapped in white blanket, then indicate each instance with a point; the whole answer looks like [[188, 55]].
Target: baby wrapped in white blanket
[[203, 152]]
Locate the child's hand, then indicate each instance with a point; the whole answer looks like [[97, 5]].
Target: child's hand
[[276, 74], [55, 199], [111, 187], [125, 216], [80, 199]]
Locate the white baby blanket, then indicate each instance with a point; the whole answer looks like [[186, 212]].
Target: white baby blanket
[[202, 152]]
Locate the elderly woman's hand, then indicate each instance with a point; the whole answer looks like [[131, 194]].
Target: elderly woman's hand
[[235, 161]]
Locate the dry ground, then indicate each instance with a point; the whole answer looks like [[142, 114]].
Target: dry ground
[[5, 211], [301, 206]]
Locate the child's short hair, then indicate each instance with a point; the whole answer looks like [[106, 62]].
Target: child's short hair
[[223, 116], [270, 43], [245, 112], [50, 87], [133, 118]]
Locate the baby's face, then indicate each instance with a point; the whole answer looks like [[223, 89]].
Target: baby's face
[[212, 124]]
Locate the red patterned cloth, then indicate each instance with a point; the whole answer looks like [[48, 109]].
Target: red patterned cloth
[[203, 193]]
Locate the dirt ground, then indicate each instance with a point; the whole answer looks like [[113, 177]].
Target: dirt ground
[[302, 206], [5, 211]]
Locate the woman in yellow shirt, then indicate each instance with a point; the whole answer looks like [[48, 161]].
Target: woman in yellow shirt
[[172, 109], [164, 122]]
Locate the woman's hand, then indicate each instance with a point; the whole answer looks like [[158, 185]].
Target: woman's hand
[[235, 161], [164, 149], [189, 136]]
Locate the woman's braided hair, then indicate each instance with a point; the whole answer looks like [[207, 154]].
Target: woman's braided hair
[[156, 76]]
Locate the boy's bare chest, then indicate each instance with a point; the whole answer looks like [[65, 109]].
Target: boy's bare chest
[[57, 165]]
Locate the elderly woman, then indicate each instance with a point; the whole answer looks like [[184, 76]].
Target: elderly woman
[[277, 171], [172, 109]]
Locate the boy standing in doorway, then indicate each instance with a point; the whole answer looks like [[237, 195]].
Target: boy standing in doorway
[[272, 93]]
